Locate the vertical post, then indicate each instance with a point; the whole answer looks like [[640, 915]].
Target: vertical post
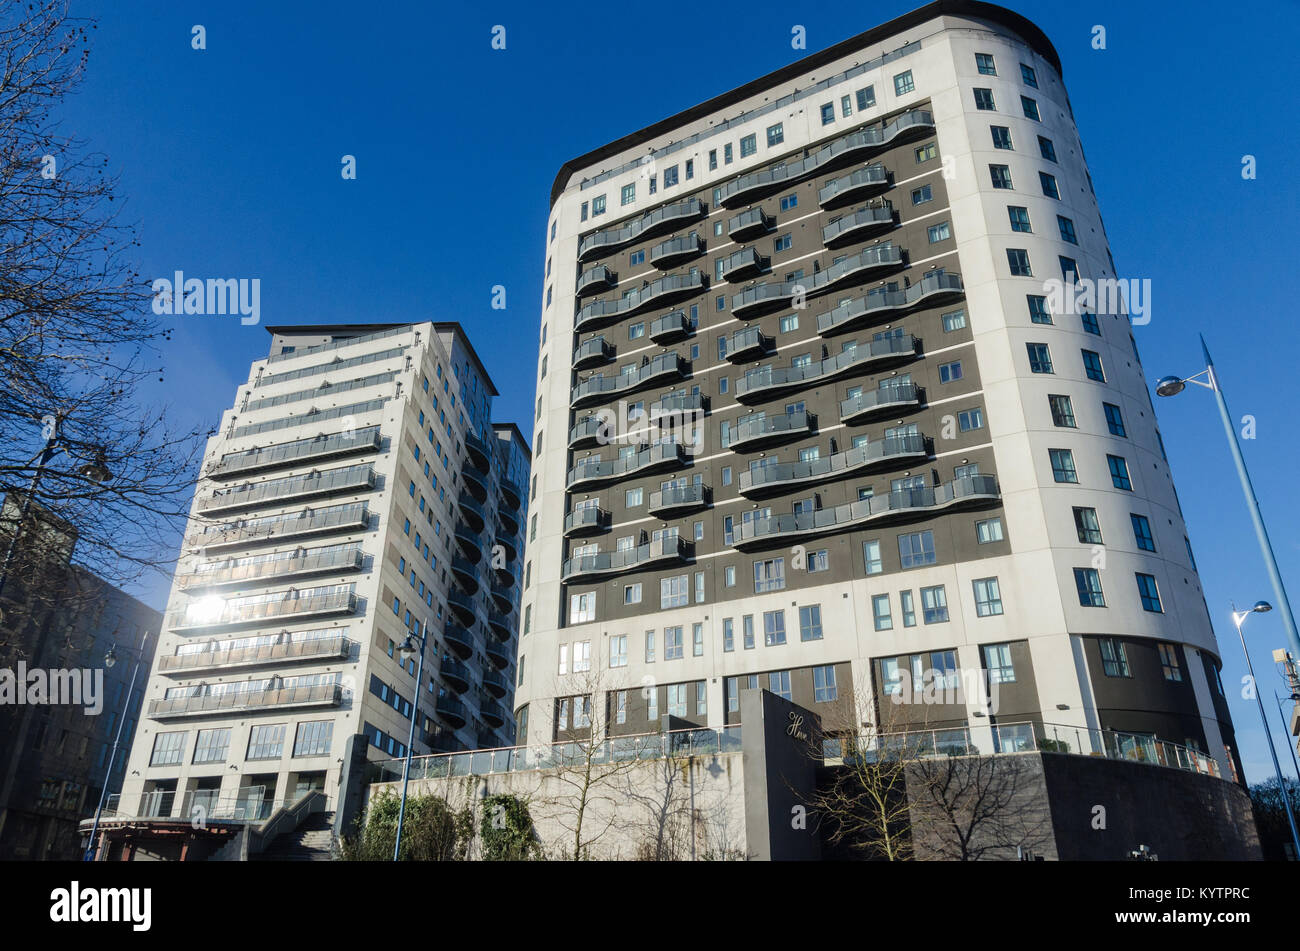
[[410, 741], [112, 757]]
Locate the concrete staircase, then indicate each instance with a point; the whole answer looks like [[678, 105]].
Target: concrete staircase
[[310, 842]]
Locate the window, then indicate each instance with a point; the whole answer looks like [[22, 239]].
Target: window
[[635, 331], [1030, 108], [774, 628], [769, 575], [969, 419], [871, 557], [782, 243], [1169, 665], [313, 738], [699, 575], [618, 651], [866, 98], [1062, 411], [1001, 137], [1114, 660], [748, 145], [1046, 149], [728, 635], [819, 560], [1088, 583], [984, 63], [1048, 182], [670, 176], [1018, 260], [632, 593], [950, 372], [673, 592], [810, 622], [926, 152], [1040, 358], [908, 606], [880, 611], [984, 100], [1114, 419], [824, 688], [582, 607], [775, 135], [628, 194], [1019, 218], [1119, 476], [1092, 366], [934, 605], [1142, 532], [713, 159], [921, 195], [563, 666], [778, 681], [988, 530], [264, 742], [1000, 176], [954, 321], [1090, 324], [916, 549], [1087, 526], [988, 597], [939, 232], [212, 746], [1063, 465], [1027, 76], [673, 643], [789, 202], [747, 631], [1149, 592], [1067, 229], [1038, 309], [903, 83], [633, 259], [598, 206], [649, 647], [168, 749], [633, 497], [584, 211], [690, 169], [726, 154], [998, 663], [828, 113]]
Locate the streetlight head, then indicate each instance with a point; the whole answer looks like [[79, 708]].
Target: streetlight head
[[96, 471], [1170, 386], [1262, 607], [111, 657], [407, 648]]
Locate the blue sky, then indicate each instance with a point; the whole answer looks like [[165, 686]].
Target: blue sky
[[230, 161]]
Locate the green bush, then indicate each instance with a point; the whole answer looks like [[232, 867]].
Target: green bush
[[431, 832], [506, 830]]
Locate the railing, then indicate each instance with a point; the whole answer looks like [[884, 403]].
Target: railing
[[355, 516], [650, 222], [868, 178], [599, 387], [869, 259], [288, 563], [336, 344], [258, 654], [882, 397], [334, 366], [326, 389], [595, 350], [670, 548], [598, 470], [669, 326], [674, 248], [884, 302], [362, 440], [313, 483], [248, 805], [237, 613], [469, 504], [513, 759], [757, 384], [476, 446], [593, 277], [756, 428], [869, 217], [673, 285], [746, 259], [309, 418], [779, 475], [512, 490], [451, 709], [755, 221], [691, 495], [314, 695], [685, 403], [745, 343], [589, 517]]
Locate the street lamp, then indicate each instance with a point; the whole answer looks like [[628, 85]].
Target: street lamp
[[409, 647], [1172, 386], [1239, 618], [110, 659]]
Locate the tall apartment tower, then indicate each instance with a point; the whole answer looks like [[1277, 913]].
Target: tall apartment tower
[[912, 460], [357, 491]]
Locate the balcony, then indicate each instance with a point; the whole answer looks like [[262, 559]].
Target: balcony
[[495, 683], [289, 564], [214, 613], [886, 399], [509, 544], [657, 293], [296, 452], [503, 597], [508, 519], [451, 711], [471, 545], [466, 574], [502, 625], [681, 404], [867, 182], [654, 222], [668, 550], [881, 304], [676, 251], [491, 712], [680, 500], [512, 492], [596, 280], [455, 675], [863, 266], [463, 606], [743, 264], [498, 655], [747, 344], [758, 430], [470, 510], [592, 353], [480, 453], [749, 224], [589, 432], [789, 476], [506, 575], [759, 385], [867, 222], [588, 520], [670, 327], [781, 530], [278, 650], [459, 640], [279, 491], [594, 472], [354, 517], [601, 389], [475, 482], [273, 698]]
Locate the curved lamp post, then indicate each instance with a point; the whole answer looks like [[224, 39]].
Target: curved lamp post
[[409, 647]]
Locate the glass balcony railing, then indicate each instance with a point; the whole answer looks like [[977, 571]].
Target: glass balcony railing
[[655, 221], [352, 517], [887, 398], [339, 343], [495, 683], [656, 293], [455, 674], [670, 327], [350, 479], [757, 430], [592, 353], [452, 711], [599, 388], [866, 182], [492, 712], [213, 614], [679, 499], [743, 264], [497, 654], [588, 520], [463, 605], [747, 344], [283, 565], [675, 251], [316, 695], [866, 222], [881, 304], [749, 224], [595, 280], [862, 266], [786, 476], [312, 417], [300, 450], [281, 649], [681, 404], [591, 431], [758, 385], [670, 549], [459, 640], [594, 471]]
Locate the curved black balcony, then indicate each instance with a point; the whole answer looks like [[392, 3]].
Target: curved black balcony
[[509, 546], [495, 683], [592, 353], [788, 476], [749, 343], [867, 222], [749, 224], [654, 222], [513, 492], [475, 483], [669, 550], [471, 545], [589, 520], [886, 399], [599, 388], [657, 293], [866, 182], [466, 574], [881, 304], [676, 251], [451, 711], [459, 640], [591, 431], [508, 519], [670, 327], [680, 500], [865, 265], [498, 654], [503, 597], [758, 430], [473, 513], [506, 575], [462, 606], [480, 453], [759, 385], [781, 530], [593, 472], [502, 625], [493, 714], [455, 674], [743, 264], [596, 280]]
